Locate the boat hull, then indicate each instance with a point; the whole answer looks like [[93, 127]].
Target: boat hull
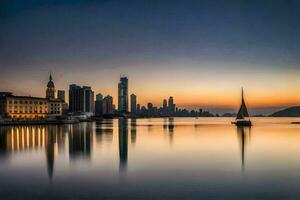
[[243, 123]]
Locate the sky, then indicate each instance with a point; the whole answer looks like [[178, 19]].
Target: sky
[[199, 52]]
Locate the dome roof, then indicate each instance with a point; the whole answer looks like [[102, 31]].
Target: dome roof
[[50, 83]]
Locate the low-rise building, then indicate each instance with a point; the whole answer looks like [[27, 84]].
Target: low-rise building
[[22, 106], [55, 107], [12, 106]]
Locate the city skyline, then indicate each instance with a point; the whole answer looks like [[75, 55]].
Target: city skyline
[[159, 102], [193, 51]]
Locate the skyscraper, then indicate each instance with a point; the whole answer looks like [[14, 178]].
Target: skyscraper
[[88, 99], [108, 108], [165, 107], [61, 95], [171, 106], [123, 95], [50, 91], [99, 104], [74, 98], [138, 109], [81, 99], [133, 103]]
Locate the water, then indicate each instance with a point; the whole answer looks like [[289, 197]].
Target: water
[[180, 158]]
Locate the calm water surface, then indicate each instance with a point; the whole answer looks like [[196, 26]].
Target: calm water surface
[[171, 158]]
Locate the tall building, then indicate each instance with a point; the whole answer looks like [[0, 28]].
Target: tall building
[[138, 109], [50, 91], [133, 103], [150, 109], [75, 98], [61, 95], [123, 95], [108, 107], [81, 99], [165, 107], [171, 106], [88, 100], [99, 105]]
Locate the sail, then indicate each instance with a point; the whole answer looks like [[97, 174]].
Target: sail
[[243, 111]]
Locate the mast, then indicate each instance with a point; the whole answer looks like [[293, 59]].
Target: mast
[[243, 111]]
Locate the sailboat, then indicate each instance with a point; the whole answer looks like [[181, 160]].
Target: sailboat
[[242, 118]]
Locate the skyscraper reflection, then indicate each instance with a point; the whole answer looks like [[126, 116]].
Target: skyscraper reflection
[[243, 134], [168, 126], [123, 143], [80, 141], [50, 140], [104, 130], [133, 130]]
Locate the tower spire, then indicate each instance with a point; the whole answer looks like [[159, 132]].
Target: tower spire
[[50, 77], [242, 93]]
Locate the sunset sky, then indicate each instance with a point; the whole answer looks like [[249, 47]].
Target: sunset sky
[[199, 52]]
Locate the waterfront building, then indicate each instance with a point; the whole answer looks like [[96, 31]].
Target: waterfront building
[[50, 91], [12, 106], [81, 99], [165, 107], [55, 107], [171, 106], [123, 95], [74, 98], [138, 109], [133, 104], [88, 100], [99, 105], [108, 107]]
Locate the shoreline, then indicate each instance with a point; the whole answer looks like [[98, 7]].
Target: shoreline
[[10, 122]]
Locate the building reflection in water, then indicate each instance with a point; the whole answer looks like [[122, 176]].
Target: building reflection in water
[[104, 130], [123, 144], [50, 151], [168, 124], [133, 130], [3, 143], [19, 139], [243, 134], [80, 141]]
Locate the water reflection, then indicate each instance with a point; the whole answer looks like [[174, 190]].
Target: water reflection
[[104, 130], [79, 159], [133, 130], [243, 134], [50, 152], [123, 143], [168, 125], [80, 141]]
